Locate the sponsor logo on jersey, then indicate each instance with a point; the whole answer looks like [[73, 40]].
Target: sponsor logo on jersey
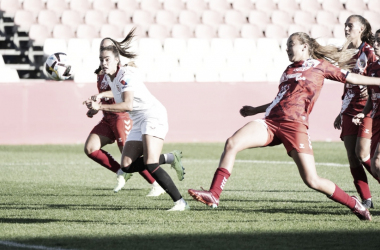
[[366, 131], [286, 77], [123, 82], [104, 84]]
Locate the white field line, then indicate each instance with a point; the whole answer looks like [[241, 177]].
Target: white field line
[[328, 164], [18, 245]]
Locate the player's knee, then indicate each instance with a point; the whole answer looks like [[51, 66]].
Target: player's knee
[[230, 144], [360, 155], [312, 182], [88, 149]]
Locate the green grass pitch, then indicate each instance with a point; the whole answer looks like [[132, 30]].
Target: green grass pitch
[[53, 196]]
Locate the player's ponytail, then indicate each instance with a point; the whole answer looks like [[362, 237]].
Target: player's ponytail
[[367, 35], [124, 46], [341, 57]]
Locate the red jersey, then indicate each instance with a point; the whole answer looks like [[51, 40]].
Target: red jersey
[[355, 96], [299, 88], [374, 91], [102, 87]]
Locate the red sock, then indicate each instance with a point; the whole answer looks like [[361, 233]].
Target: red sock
[[105, 159], [367, 165], [220, 178], [343, 198], [361, 182], [147, 176]]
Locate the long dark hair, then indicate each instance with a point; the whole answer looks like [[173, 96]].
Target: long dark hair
[[367, 35]]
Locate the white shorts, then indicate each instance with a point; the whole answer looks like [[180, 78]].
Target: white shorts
[[152, 122]]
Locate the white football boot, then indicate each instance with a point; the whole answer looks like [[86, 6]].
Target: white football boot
[[180, 205], [156, 190], [121, 180]]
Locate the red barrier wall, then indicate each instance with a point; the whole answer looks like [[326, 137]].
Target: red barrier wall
[[48, 112]]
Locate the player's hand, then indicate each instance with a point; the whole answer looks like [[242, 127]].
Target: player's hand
[[338, 122], [248, 111], [92, 105], [96, 98], [91, 113], [358, 119]]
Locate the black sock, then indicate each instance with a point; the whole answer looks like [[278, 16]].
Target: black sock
[[138, 165], [164, 180]]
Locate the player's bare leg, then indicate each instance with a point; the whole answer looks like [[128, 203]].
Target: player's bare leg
[[253, 134], [375, 162]]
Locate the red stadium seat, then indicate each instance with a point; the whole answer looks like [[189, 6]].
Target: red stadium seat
[[304, 19], [38, 33], [326, 18], [61, 31], [266, 6], [58, 6], [281, 18], [275, 31], [343, 15], [236, 18], [104, 6], [142, 18], [95, 18], [48, 18], [110, 30], [189, 18], [244, 6], [338, 31], [175, 6], [311, 6], [181, 31], [118, 18], [374, 5], [251, 31], [204, 31], [33, 5], [158, 31], [81, 6], [220, 6], [24, 19], [356, 6], [212, 18], [198, 6], [71, 18], [165, 18], [10, 6], [87, 31], [373, 18], [151, 6], [289, 6], [259, 18], [334, 6], [228, 31], [128, 6], [320, 31]]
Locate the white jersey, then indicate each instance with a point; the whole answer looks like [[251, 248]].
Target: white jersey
[[130, 79]]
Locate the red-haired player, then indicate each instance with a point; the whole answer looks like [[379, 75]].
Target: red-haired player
[[357, 139]]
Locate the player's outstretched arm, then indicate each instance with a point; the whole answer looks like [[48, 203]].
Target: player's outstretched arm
[[362, 80], [124, 106], [249, 110], [105, 94]]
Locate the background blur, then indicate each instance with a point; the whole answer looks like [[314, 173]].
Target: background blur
[[202, 59]]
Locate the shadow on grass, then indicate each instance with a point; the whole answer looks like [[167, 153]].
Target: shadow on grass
[[275, 240]]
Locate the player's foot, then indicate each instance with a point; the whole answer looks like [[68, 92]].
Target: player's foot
[[368, 204], [180, 205], [121, 180], [177, 164], [360, 211], [205, 197], [156, 190]]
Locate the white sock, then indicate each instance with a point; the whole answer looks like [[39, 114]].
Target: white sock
[[120, 172], [155, 184]]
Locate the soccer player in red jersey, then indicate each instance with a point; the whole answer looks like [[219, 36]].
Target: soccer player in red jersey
[[286, 119], [117, 126], [357, 139], [372, 104]]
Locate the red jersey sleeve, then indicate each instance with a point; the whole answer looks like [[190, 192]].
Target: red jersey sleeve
[[334, 73]]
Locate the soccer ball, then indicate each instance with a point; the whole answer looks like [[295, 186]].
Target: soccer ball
[[57, 67]]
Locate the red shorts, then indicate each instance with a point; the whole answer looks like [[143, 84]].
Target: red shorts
[[375, 135], [293, 135], [116, 128], [364, 130]]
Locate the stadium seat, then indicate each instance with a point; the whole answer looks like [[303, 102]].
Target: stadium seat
[[53, 45], [374, 5], [281, 18], [338, 31], [190, 62], [38, 33], [206, 75], [198, 6], [250, 31], [222, 47], [255, 76], [110, 30], [244, 6], [182, 75], [165, 18], [198, 47], [204, 31], [373, 18], [62, 31], [326, 18], [95, 18], [259, 18], [34, 6], [105, 6], [166, 63], [80, 47], [24, 19], [10, 6], [227, 31], [220, 6], [275, 31], [175, 6], [311, 6], [142, 18], [87, 31], [152, 6], [229, 75], [266, 6], [158, 31], [320, 31], [236, 18], [81, 6], [334, 6], [58, 6], [304, 19], [244, 47], [343, 15], [175, 47], [157, 75], [48, 18], [8, 75], [128, 6], [293, 28], [150, 47], [269, 46], [212, 18], [181, 31], [289, 6], [118, 18], [238, 63], [356, 6], [71, 18], [338, 42], [189, 18]]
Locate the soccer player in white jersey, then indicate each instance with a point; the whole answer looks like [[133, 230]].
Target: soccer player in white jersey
[[150, 123]]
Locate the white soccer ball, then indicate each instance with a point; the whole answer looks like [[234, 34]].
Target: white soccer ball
[[58, 67]]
